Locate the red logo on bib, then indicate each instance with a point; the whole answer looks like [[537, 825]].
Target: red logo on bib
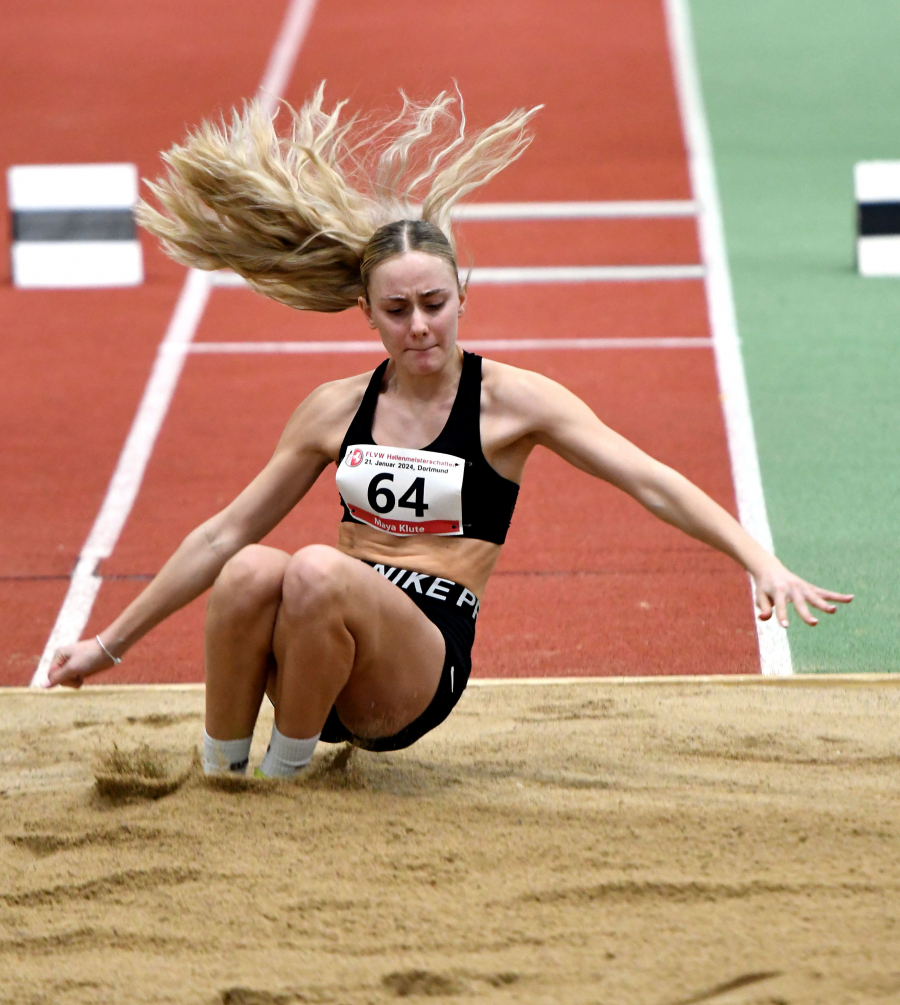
[[355, 458]]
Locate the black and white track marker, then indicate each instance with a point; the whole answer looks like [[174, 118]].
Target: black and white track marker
[[73, 225], [877, 186]]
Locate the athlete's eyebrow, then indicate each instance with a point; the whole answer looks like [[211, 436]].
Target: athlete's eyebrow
[[428, 292]]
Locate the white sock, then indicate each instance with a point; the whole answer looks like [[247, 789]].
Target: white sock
[[222, 757], [285, 757]]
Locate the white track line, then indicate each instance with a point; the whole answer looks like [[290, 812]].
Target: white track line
[[513, 275], [473, 345], [129, 472], [775, 654], [636, 209], [126, 479], [293, 30], [585, 274]]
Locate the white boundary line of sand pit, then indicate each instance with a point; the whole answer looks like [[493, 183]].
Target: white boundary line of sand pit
[[730, 680], [129, 472], [818, 679], [774, 651]]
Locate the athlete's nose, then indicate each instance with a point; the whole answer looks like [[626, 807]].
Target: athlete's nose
[[418, 323]]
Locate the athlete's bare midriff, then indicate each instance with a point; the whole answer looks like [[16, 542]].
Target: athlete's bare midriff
[[467, 561]]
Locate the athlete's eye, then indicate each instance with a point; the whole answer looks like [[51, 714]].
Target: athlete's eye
[[436, 307]]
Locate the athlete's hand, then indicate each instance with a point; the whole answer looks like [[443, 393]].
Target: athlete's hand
[[776, 587], [72, 663]]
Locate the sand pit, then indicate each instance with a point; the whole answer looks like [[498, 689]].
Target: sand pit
[[654, 844]]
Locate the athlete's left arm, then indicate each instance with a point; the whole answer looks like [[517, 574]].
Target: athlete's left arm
[[566, 425]]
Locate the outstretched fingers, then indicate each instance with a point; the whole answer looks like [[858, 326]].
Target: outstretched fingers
[[802, 595], [781, 598], [824, 596], [772, 598], [764, 603], [807, 594]]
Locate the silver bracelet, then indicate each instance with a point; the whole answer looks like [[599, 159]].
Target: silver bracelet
[[116, 659]]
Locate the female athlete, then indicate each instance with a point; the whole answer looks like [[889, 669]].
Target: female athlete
[[369, 641]]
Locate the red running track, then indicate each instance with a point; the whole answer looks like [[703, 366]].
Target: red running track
[[588, 583]]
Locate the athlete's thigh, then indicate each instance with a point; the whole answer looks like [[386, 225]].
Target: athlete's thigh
[[399, 654]]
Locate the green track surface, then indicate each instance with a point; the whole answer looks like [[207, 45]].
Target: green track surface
[[796, 91]]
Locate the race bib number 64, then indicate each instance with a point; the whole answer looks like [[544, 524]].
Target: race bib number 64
[[402, 491]]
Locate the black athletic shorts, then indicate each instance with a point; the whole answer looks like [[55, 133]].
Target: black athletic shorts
[[454, 610]]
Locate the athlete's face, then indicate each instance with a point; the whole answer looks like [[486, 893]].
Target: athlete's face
[[415, 305]]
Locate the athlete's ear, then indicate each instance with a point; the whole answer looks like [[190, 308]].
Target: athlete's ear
[[462, 304], [367, 310]]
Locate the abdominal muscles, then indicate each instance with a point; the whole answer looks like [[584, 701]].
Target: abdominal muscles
[[467, 561]]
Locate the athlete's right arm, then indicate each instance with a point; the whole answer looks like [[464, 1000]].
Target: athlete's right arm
[[310, 441]]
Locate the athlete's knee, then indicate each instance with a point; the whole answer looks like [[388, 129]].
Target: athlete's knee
[[313, 579], [250, 579]]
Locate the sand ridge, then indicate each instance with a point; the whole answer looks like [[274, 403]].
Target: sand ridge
[[582, 842]]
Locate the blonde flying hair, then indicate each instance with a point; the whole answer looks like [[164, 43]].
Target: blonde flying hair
[[305, 217]]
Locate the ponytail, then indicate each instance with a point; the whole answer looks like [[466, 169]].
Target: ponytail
[[294, 214]]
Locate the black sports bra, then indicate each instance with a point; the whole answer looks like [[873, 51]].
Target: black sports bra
[[447, 488]]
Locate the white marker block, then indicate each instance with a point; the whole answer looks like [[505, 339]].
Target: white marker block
[[877, 187], [73, 226]]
